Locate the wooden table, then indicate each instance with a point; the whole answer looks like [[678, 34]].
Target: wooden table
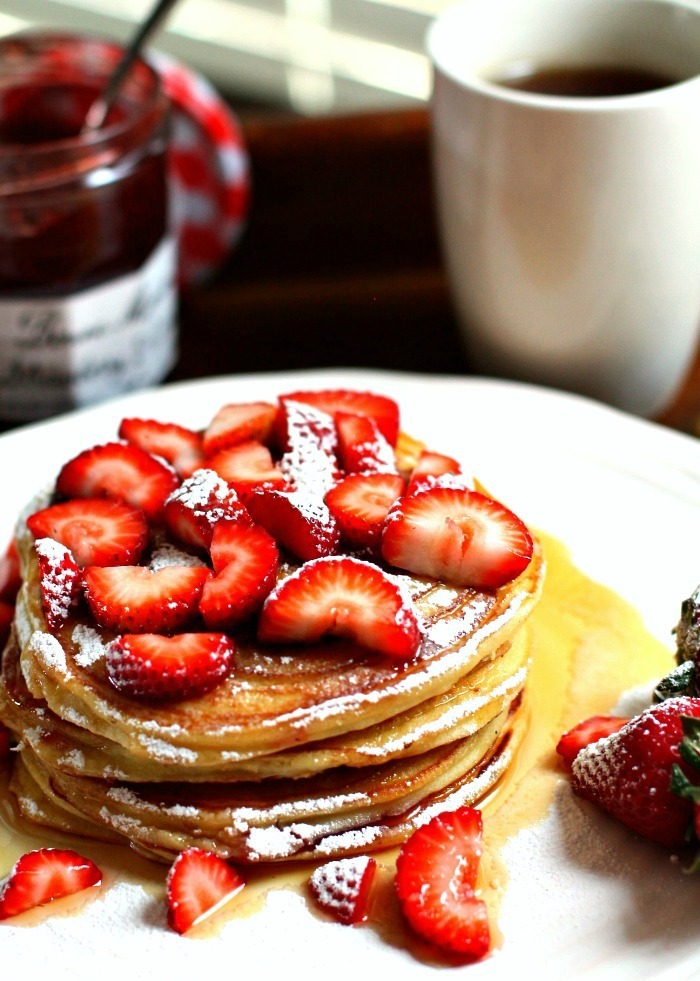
[[340, 263]]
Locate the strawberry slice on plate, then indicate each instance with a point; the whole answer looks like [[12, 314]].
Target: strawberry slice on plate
[[199, 883], [60, 581], [192, 511], [431, 464], [156, 667], [97, 531], [310, 439], [458, 536], [629, 773], [436, 875], [383, 410], [343, 888], [43, 875], [586, 732], [360, 504], [137, 599], [121, 472], [342, 597], [298, 521], [238, 422], [245, 559], [246, 466], [362, 448], [181, 447]]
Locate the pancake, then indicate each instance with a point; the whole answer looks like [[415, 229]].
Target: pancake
[[301, 751]]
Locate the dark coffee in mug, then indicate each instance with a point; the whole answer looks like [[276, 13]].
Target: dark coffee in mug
[[588, 80]]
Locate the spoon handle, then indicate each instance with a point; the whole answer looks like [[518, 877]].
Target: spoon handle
[[100, 107]]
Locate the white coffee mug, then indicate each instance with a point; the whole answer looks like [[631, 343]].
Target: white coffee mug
[[571, 225]]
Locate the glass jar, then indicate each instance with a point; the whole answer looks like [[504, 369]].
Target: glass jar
[[87, 265]]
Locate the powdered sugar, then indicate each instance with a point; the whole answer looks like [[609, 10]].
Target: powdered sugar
[[91, 648], [310, 462], [60, 580], [49, 652], [168, 554]]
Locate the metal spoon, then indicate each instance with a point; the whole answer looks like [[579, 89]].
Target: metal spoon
[[98, 111]]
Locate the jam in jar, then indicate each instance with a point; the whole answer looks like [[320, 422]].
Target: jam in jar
[[87, 264]]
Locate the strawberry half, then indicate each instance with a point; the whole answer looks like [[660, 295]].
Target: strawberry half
[[180, 446], [156, 667], [362, 448], [135, 599], [192, 511], [586, 732], [238, 422], [121, 472], [458, 536], [199, 883], [97, 531], [245, 559], [628, 773], [10, 573], [310, 462], [299, 522], [360, 504], [431, 464], [246, 466], [60, 581], [343, 597], [43, 875], [7, 615], [383, 410], [342, 888], [436, 873]]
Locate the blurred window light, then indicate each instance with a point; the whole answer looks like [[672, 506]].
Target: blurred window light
[[312, 56]]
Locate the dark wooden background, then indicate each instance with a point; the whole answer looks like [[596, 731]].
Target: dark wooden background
[[340, 264]]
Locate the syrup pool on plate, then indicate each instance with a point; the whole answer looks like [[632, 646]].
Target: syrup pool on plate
[[589, 647]]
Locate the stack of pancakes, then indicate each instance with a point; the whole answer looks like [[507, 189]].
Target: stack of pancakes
[[317, 752]]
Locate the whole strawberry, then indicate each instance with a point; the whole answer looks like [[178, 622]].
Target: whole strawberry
[[629, 772]]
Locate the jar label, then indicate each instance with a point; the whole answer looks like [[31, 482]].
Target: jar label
[[66, 352]]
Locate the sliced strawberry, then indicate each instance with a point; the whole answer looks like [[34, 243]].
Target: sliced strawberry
[[5, 741], [60, 581], [7, 615], [121, 472], [360, 504], [299, 522], [246, 466], [342, 597], [97, 531], [245, 559], [180, 446], [43, 875], [436, 873], [10, 573], [362, 448], [310, 461], [238, 422], [457, 536], [383, 410], [628, 773], [192, 511], [586, 732], [135, 599], [199, 883], [431, 464], [156, 667], [342, 888]]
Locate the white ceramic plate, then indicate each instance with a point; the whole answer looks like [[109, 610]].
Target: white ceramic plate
[[583, 901]]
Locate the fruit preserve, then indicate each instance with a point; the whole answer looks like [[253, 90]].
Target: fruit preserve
[[87, 284]]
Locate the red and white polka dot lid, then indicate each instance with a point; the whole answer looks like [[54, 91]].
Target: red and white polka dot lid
[[209, 171]]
